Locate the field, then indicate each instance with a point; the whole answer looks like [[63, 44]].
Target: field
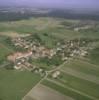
[[5, 49], [65, 90], [83, 67], [14, 84], [50, 26], [41, 92], [94, 56], [50, 30], [79, 78]]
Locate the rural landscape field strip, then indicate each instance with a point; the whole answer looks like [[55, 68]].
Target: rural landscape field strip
[[78, 79], [4, 50], [42, 92], [81, 75], [79, 84], [87, 62], [43, 79], [72, 89], [22, 83], [75, 74], [83, 66], [3, 47], [65, 90]]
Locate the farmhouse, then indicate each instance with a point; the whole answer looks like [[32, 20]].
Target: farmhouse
[[56, 74]]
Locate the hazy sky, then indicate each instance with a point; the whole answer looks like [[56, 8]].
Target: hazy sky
[[94, 4]]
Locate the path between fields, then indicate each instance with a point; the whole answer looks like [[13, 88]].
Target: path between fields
[[42, 92], [81, 75], [79, 92], [48, 72], [45, 77], [59, 68], [5, 64]]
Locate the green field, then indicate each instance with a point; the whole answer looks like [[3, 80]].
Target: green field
[[14, 85], [65, 90], [53, 27], [94, 56], [3, 52], [48, 25], [5, 49], [78, 79], [79, 84], [82, 66], [50, 30]]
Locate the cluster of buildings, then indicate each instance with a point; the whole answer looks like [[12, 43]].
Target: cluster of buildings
[[83, 25], [72, 48], [34, 50]]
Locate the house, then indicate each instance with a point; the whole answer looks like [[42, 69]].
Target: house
[[17, 67], [45, 52], [59, 49], [52, 53], [84, 53], [65, 58], [56, 74]]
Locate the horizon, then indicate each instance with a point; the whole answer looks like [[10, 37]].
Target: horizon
[[61, 4]]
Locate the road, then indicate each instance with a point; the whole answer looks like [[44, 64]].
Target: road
[[5, 64], [45, 77]]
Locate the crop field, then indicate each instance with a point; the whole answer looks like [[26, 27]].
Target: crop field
[[3, 52], [31, 25], [78, 79], [50, 30], [65, 90], [94, 56], [4, 49], [41, 92], [83, 67], [15, 84], [53, 27]]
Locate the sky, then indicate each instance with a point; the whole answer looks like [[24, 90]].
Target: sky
[[92, 4]]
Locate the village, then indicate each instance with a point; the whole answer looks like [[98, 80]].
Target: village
[[32, 49]]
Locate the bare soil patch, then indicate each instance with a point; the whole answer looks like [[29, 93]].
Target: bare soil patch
[[13, 34], [42, 92]]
